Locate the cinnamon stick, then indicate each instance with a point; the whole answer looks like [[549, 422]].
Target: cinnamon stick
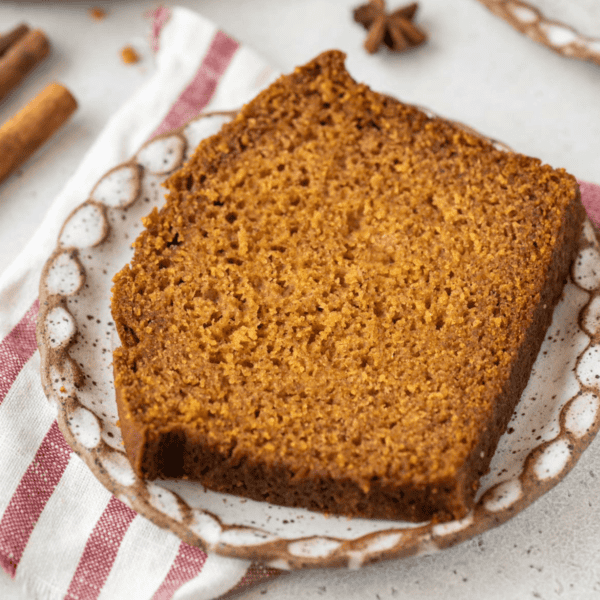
[[26, 131], [20, 58], [8, 39]]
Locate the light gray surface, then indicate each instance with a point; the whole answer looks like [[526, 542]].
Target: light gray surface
[[475, 69]]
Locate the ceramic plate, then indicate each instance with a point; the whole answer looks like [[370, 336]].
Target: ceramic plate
[[533, 19], [557, 418]]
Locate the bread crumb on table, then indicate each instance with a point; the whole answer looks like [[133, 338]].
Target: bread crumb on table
[[97, 13], [129, 56]]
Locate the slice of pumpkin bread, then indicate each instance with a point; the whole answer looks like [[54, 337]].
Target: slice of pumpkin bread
[[340, 303]]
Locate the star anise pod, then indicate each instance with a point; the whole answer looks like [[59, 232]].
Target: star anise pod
[[396, 29]]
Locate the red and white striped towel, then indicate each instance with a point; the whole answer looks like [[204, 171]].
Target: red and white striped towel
[[62, 534]]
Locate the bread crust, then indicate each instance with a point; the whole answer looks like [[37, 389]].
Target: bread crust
[[176, 450]]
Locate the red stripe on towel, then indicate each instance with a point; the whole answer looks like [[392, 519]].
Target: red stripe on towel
[[255, 575], [199, 92], [100, 551], [187, 564], [17, 348], [160, 16], [590, 198], [31, 496]]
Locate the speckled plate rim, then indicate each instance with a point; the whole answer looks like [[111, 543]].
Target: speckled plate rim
[[557, 36], [63, 278]]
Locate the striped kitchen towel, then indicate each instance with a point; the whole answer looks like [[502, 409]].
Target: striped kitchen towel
[[62, 534]]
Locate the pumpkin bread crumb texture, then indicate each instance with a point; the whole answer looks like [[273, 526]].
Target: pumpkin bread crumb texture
[[340, 303]]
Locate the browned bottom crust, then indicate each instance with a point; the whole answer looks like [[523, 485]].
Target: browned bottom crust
[[177, 453]]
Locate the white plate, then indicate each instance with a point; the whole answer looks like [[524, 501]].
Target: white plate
[[557, 418], [533, 20]]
